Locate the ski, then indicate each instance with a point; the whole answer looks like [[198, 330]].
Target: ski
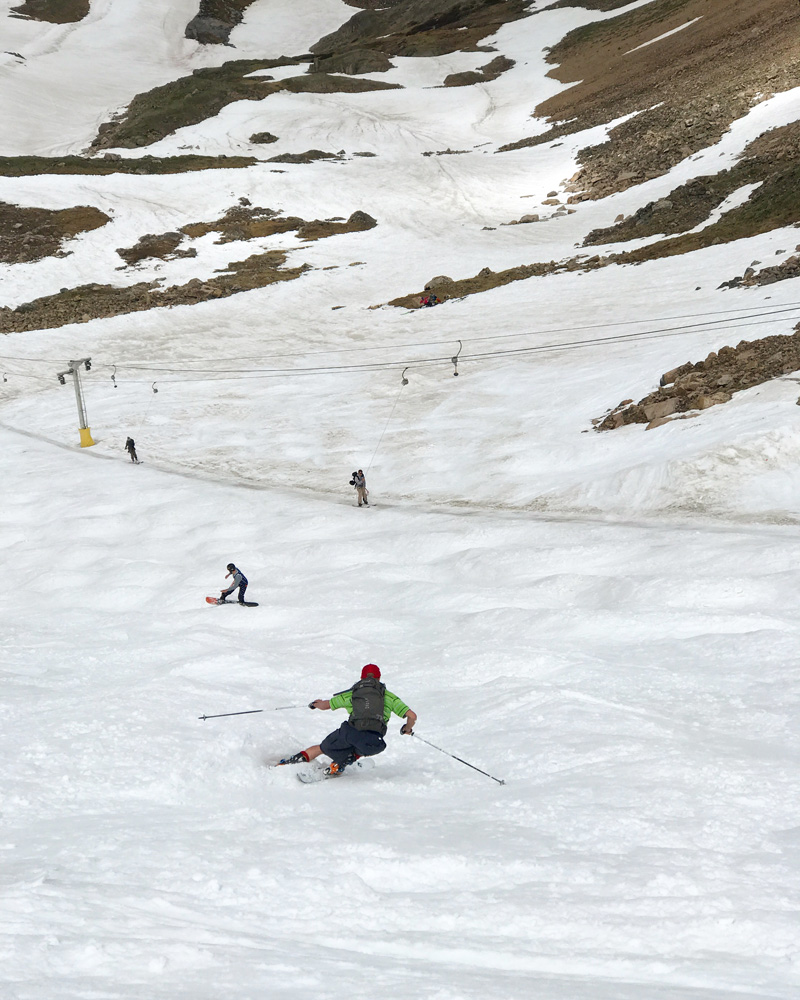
[[246, 604]]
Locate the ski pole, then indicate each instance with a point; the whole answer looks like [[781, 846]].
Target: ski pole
[[498, 780], [250, 711]]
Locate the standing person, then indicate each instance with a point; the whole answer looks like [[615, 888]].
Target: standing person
[[359, 480], [130, 447], [239, 580], [370, 706]]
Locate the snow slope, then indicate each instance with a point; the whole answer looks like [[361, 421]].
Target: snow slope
[[606, 622], [645, 843]]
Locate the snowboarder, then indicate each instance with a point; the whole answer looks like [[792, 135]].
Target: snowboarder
[[130, 447], [239, 580], [370, 706], [359, 480]]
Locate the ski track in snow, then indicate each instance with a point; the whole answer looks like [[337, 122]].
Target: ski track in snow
[[608, 623]]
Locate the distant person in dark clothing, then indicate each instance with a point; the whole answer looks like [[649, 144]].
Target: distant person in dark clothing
[[130, 447], [239, 580]]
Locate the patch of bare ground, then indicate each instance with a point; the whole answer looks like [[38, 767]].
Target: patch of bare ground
[[684, 90], [772, 161], [491, 71], [481, 282], [445, 152], [247, 222], [87, 302], [215, 20], [191, 99], [320, 229], [423, 27], [164, 246], [30, 166], [352, 62], [310, 156], [604, 5], [52, 11], [707, 383], [373, 4], [28, 234]]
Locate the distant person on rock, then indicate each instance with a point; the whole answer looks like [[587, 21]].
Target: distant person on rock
[[431, 299], [239, 580], [370, 706], [130, 447], [359, 480]]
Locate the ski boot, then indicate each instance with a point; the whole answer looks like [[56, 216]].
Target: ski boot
[[335, 769], [301, 757]]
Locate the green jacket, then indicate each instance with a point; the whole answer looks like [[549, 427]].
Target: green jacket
[[391, 704]]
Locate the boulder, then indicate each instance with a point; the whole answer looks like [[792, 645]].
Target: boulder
[[675, 373], [208, 30], [658, 422], [440, 281], [662, 408], [359, 221], [712, 399]]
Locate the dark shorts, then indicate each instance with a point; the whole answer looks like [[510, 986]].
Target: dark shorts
[[346, 740]]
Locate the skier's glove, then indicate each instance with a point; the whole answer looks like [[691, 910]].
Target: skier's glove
[[406, 729], [311, 704]]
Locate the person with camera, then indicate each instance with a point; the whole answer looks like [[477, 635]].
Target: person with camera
[[370, 706], [359, 480]]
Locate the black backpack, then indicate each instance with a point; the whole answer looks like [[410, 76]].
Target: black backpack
[[368, 706]]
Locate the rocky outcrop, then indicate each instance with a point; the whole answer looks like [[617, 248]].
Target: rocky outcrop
[[216, 19], [352, 62], [52, 11], [309, 156], [247, 222], [491, 71], [700, 385], [263, 138], [423, 27], [789, 268], [358, 222]]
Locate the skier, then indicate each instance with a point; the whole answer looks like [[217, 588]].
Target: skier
[[239, 580], [359, 480], [130, 447], [370, 706]]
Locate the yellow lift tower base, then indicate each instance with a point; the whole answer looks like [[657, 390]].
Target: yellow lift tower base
[[86, 437]]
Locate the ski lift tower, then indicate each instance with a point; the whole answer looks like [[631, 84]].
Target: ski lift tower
[[74, 371]]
